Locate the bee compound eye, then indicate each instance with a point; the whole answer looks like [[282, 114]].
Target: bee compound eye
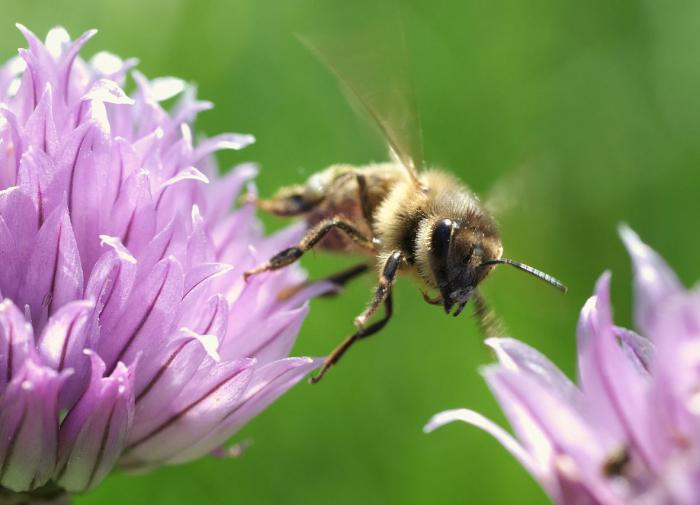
[[442, 234]]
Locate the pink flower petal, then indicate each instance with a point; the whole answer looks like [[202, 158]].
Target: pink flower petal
[[548, 427], [654, 281], [16, 342], [201, 405], [266, 385], [61, 346], [18, 225], [506, 439], [93, 434], [28, 427], [40, 129], [617, 395], [54, 272], [146, 322], [520, 357]]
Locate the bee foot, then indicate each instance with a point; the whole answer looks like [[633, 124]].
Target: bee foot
[[432, 301], [248, 199], [258, 270], [315, 379]]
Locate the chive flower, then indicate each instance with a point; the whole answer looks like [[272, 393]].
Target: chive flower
[[629, 431], [127, 333]]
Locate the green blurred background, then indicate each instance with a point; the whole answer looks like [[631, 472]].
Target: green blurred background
[[586, 114]]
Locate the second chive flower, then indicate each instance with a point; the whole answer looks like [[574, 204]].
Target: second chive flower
[[629, 432]]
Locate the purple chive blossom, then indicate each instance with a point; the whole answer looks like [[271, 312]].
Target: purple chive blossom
[[127, 334], [629, 432]]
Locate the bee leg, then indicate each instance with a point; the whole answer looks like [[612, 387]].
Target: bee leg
[[312, 237], [431, 300], [288, 202], [487, 320], [381, 295], [341, 278], [338, 279], [386, 281], [338, 352]]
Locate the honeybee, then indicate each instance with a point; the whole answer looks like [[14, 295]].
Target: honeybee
[[402, 218]]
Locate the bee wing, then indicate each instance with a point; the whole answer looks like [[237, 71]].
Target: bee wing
[[507, 194], [371, 64]]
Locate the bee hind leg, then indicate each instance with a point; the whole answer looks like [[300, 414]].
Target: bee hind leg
[[312, 237], [289, 202]]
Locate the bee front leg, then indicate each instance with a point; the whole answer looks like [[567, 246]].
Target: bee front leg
[[312, 237], [437, 300], [386, 281], [381, 295]]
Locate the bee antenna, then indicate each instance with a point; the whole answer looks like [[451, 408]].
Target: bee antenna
[[531, 270]]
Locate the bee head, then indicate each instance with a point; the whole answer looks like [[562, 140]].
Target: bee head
[[457, 259], [460, 257]]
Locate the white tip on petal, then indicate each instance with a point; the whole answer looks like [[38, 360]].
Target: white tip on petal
[[650, 267], [654, 280], [163, 88], [8, 190], [16, 65], [450, 416], [186, 133], [196, 214], [186, 174], [118, 247], [235, 141], [13, 88], [503, 357], [57, 40], [247, 170], [107, 91], [506, 439], [210, 343], [106, 63]]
